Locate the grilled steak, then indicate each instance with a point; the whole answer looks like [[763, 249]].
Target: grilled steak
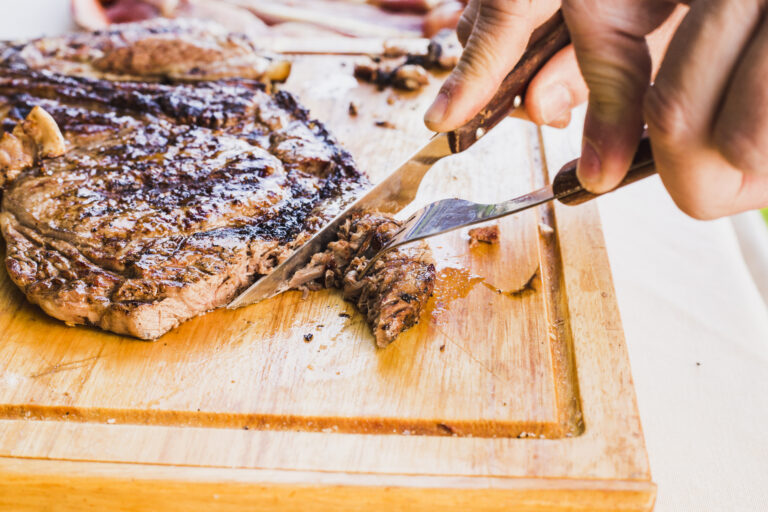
[[183, 49], [172, 195]]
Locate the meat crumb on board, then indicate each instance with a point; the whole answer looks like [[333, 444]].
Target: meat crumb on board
[[308, 337], [485, 234], [408, 77]]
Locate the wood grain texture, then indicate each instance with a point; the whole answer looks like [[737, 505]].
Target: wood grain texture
[[499, 397]]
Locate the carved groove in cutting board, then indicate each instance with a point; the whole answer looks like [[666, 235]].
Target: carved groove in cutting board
[[499, 375], [551, 267]]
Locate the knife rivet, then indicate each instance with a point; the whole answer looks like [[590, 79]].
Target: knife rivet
[[517, 101], [479, 133]]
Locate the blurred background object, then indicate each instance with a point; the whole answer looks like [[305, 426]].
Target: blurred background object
[[356, 18]]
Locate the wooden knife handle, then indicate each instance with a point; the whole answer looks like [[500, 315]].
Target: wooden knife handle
[[568, 190], [545, 42]]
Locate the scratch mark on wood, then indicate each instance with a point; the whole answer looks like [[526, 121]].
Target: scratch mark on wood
[[63, 367]]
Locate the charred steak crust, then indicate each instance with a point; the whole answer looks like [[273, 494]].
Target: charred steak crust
[[172, 197]]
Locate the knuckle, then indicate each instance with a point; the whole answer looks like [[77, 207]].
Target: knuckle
[[464, 29], [505, 8], [577, 6], [667, 118], [481, 60], [504, 14]]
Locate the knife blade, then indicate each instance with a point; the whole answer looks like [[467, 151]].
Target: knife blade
[[389, 196], [400, 187]]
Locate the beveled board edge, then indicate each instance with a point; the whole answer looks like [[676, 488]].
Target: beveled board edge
[[32, 485]]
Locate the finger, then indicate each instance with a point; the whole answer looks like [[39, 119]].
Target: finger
[[559, 86], [555, 90], [609, 38], [694, 76], [466, 22], [682, 106], [741, 129], [500, 34], [714, 188]]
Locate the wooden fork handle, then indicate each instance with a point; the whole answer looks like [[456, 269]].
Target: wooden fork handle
[[545, 42], [568, 190]]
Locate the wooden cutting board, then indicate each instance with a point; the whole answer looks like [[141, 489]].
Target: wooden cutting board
[[513, 393]]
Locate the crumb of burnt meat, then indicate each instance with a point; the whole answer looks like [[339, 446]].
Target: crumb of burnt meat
[[485, 234], [403, 75], [442, 347], [352, 109], [409, 71], [385, 124], [443, 52], [344, 315], [308, 337], [446, 428]]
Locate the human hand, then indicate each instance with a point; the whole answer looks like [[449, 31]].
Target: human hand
[[610, 43]]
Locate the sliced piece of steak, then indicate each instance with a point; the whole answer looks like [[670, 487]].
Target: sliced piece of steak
[[393, 293]]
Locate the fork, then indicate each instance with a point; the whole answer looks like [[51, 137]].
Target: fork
[[449, 214]]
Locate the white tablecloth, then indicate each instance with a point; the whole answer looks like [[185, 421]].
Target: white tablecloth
[[697, 332], [695, 322]]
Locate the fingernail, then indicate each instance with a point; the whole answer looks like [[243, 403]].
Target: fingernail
[[436, 112], [555, 102], [588, 170], [561, 122]]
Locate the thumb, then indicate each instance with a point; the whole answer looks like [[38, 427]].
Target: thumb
[[609, 39], [498, 38]]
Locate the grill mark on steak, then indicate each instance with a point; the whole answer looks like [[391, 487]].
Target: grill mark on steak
[[173, 197], [212, 104]]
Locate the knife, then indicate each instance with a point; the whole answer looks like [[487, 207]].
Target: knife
[[400, 188]]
